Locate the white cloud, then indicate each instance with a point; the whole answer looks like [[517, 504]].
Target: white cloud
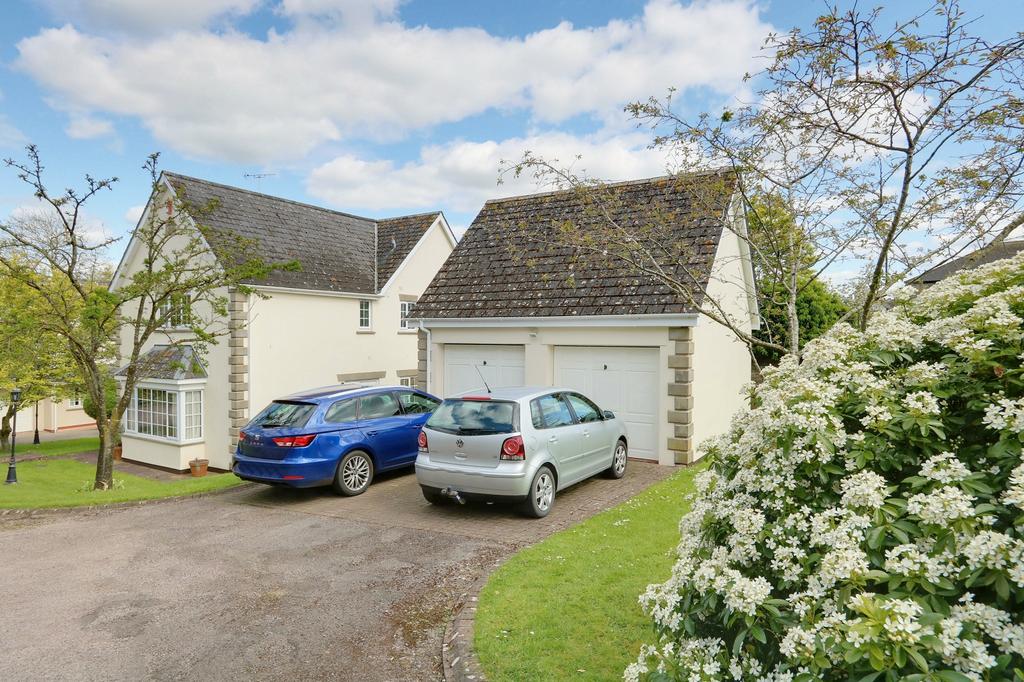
[[133, 214], [146, 16], [85, 127], [232, 97], [10, 136], [461, 175], [350, 12]]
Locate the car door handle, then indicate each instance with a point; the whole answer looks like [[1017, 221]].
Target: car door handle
[[372, 433], [553, 439], [586, 434]]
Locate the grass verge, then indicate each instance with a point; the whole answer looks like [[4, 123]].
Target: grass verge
[[53, 447], [567, 607], [48, 483]]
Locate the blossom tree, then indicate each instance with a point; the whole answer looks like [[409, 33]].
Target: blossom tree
[[864, 519]]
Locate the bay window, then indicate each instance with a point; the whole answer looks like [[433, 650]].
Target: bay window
[[171, 411]]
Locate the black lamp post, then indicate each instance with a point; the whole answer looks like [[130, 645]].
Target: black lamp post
[[12, 472], [35, 438]]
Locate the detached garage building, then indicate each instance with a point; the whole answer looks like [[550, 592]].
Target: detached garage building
[[521, 301]]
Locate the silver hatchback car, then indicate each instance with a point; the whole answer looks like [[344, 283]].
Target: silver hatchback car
[[518, 444]]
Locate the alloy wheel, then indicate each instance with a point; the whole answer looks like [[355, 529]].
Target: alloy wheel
[[356, 472], [620, 458], [544, 491]]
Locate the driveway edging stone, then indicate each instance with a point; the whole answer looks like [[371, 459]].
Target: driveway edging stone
[[458, 657]]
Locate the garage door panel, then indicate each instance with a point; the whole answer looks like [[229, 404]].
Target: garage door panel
[[621, 379], [500, 365]]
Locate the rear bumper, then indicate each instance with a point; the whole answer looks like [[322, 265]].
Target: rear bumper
[[311, 471], [509, 480]]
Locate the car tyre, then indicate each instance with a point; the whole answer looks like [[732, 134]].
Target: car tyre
[[619, 458], [432, 495], [354, 474], [542, 494]]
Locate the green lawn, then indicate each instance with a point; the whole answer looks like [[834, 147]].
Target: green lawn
[[62, 482], [567, 607], [23, 446]]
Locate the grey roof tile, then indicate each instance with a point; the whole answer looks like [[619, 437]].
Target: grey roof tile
[[511, 264], [336, 251], [169, 362]]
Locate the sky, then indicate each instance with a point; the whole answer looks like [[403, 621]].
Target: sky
[[373, 107]]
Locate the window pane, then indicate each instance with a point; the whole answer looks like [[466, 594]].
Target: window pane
[[585, 410], [414, 403], [156, 412], [341, 411], [280, 413], [378, 406], [477, 417], [553, 411], [193, 414], [364, 314]]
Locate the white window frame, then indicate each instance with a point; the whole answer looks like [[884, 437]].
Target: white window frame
[[405, 308], [75, 401], [369, 314], [405, 381], [181, 389], [176, 310]]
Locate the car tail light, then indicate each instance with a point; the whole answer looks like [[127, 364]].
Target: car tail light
[[243, 436], [513, 449], [294, 441], [422, 442]]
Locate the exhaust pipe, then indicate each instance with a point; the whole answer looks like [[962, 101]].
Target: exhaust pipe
[[454, 494]]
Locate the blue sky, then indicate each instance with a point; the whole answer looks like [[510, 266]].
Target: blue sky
[[376, 107]]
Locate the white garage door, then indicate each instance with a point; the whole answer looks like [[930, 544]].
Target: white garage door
[[500, 365], [623, 380]]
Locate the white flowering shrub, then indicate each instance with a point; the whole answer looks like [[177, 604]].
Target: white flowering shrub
[[864, 520]]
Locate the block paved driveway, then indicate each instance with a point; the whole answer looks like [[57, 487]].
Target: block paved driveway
[[259, 583]]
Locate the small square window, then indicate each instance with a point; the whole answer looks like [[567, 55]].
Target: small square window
[[405, 381], [364, 315], [406, 311], [174, 313]]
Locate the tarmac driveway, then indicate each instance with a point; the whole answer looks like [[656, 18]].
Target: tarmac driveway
[[259, 583]]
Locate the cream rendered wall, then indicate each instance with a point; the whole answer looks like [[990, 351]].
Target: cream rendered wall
[[62, 415], [539, 343], [299, 341], [721, 362], [162, 453]]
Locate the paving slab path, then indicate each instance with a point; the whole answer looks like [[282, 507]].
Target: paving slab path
[[260, 583]]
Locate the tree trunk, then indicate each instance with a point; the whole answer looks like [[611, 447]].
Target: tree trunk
[[5, 429], [105, 459], [791, 313]]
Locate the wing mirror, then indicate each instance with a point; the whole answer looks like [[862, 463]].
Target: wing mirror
[[608, 414]]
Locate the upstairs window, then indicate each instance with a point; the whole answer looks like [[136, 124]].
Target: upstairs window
[[406, 311], [173, 312], [364, 315]]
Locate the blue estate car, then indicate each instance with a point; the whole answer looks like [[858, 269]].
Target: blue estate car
[[338, 435]]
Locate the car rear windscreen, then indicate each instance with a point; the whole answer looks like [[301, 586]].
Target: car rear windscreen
[[474, 417], [283, 413]]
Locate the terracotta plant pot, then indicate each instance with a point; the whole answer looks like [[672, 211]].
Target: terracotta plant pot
[[118, 449], [198, 466]]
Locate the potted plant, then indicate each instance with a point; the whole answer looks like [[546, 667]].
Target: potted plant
[[198, 466], [118, 449]]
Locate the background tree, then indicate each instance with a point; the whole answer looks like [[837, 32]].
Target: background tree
[[31, 358], [53, 253], [887, 145]]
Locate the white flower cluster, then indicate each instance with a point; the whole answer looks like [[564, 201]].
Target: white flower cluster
[[945, 468], [942, 505], [804, 511], [1005, 415]]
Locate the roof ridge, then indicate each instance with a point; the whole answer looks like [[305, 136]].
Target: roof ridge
[[410, 215], [619, 183], [270, 196]]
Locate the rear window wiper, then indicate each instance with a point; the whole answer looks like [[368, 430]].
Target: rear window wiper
[[270, 425]]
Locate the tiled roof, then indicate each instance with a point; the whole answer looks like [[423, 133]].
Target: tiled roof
[[395, 239], [971, 260], [337, 251], [512, 262], [169, 362]]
